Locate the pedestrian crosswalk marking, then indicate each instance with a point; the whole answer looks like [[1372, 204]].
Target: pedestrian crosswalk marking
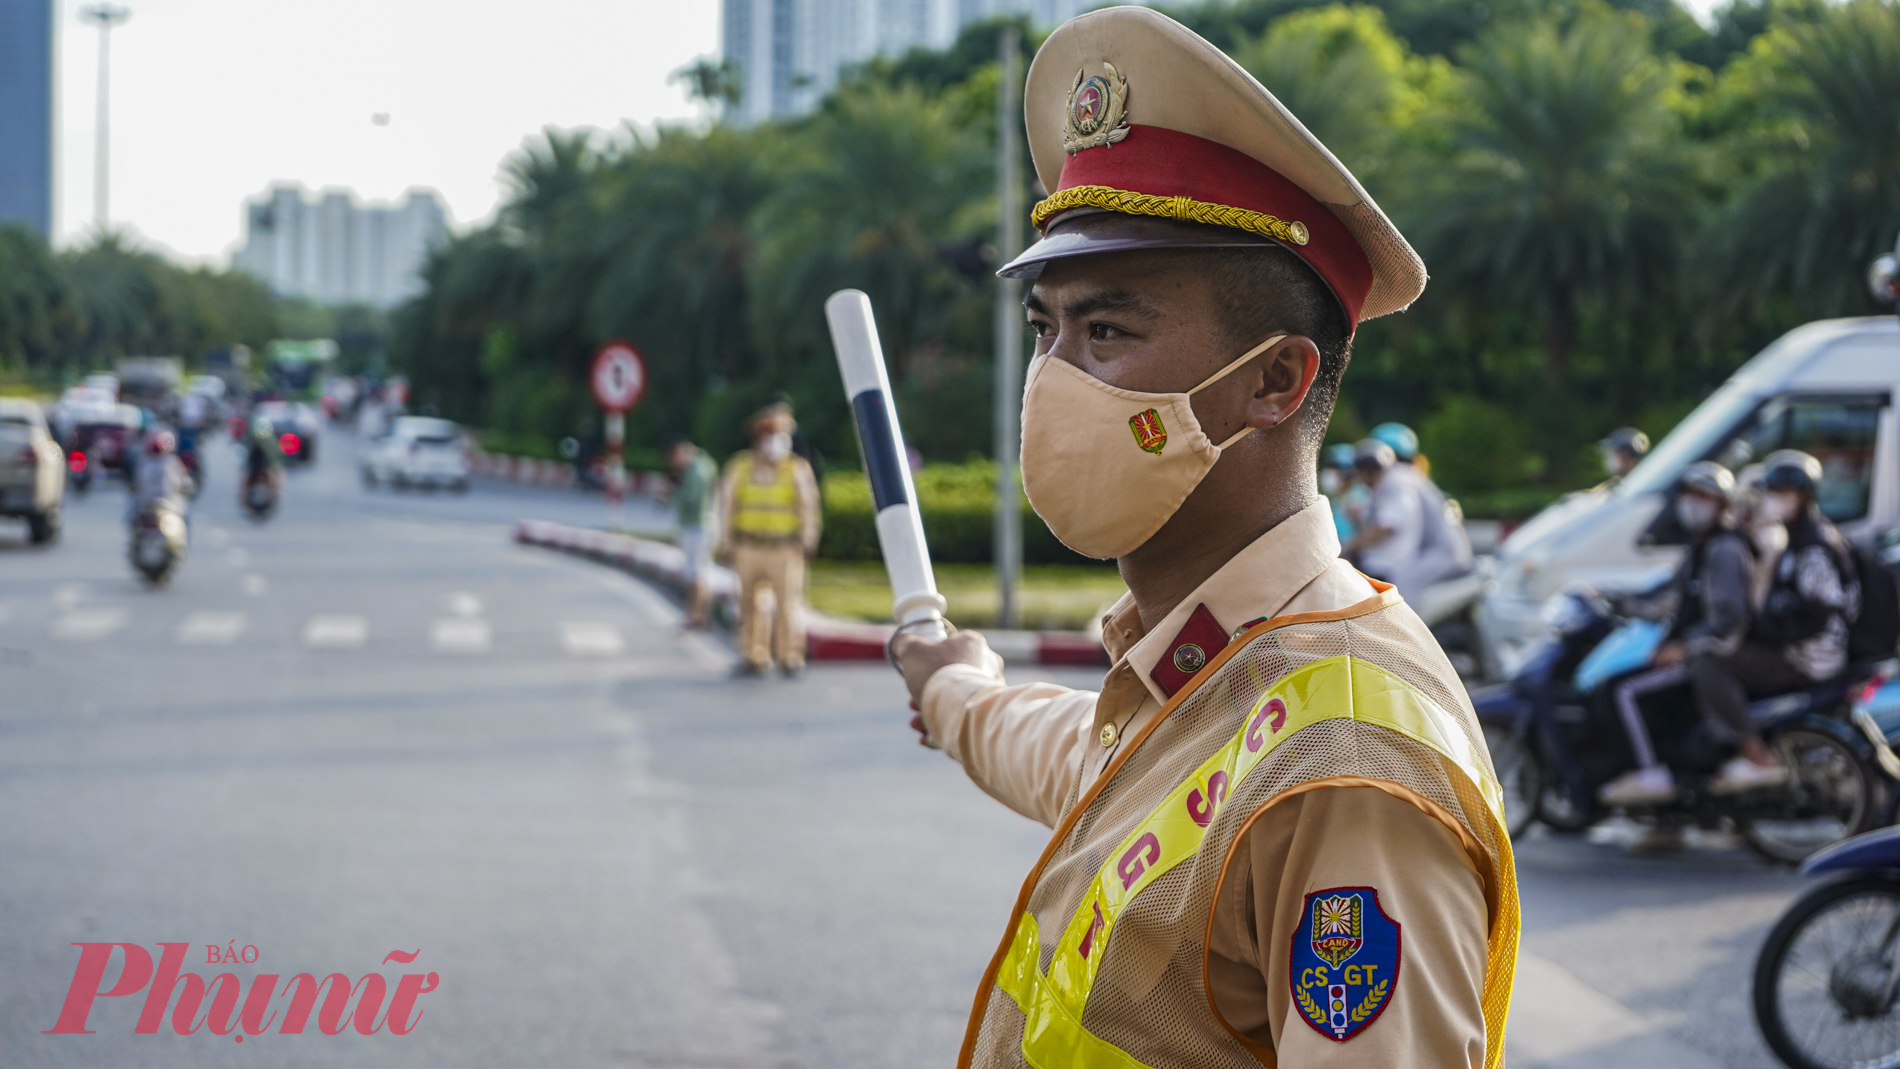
[[86, 625], [462, 603], [211, 628], [460, 634], [238, 557], [254, 585], [69, 595], [588, 638], [334, 631]]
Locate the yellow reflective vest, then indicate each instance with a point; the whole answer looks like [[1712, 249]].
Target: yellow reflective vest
[[765, 511]]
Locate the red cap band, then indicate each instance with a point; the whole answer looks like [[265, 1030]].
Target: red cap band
[[1198, 180]]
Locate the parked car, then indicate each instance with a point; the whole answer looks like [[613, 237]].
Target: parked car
[[417, 451], [1826, 388], [32, 470], [297, 426]]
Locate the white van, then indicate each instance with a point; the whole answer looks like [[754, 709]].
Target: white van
[[1826, 388]]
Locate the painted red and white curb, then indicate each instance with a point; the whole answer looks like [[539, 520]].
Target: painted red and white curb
[[826, 638], [534, 471]]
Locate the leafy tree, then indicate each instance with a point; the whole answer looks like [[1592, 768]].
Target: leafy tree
[[1567, 186], [37, 316], [1823, 94]]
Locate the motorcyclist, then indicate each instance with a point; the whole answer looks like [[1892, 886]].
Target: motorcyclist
[[1708, 601], [1343, 491], [159, 481], [263, 460], [1800, 635], [1623, 449], [1410, 536]]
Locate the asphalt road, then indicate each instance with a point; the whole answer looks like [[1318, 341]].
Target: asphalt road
[[373, 724]]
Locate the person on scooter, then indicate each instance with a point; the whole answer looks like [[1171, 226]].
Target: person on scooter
[[1623, 449], [160, 478], [1708, 599], [1343, 490], [1410, 536], [262, 458], [1800, 635]]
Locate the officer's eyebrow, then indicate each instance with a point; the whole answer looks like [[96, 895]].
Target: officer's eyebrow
[[1111, 301]]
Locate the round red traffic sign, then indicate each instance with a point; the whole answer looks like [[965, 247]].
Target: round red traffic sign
[[620, 376]]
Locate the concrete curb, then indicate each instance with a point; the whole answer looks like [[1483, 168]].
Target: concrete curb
[[826, 638], [533, 471]]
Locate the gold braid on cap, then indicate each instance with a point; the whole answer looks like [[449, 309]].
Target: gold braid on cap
[[1186, 209]]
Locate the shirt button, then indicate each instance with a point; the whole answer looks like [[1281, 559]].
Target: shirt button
[[1109, 734]]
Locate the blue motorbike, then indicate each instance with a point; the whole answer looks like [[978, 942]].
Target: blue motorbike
[[1828, 976], [1555, 740]]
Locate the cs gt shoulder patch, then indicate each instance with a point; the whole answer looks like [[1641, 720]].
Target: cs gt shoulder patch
[[1345, 961]]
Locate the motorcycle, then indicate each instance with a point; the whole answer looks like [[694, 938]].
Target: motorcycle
[[1828, 974], [158, 543], [188, 458], [1555, 740], [260, 496]]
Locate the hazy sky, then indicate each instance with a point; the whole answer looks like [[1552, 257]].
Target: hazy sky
[[213, 100]]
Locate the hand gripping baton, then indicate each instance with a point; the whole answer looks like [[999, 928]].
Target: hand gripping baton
[[917, 607]]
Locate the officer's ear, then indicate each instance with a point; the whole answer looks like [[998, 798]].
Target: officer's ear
[[1283, 376]]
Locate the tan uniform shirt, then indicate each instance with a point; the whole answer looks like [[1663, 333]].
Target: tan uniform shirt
[[1036, 746]]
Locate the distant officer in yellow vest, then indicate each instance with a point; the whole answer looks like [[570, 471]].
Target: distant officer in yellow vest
[[1278, 837], [770, 521]]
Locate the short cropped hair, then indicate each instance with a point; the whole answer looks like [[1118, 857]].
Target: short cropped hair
[[1259, 291]]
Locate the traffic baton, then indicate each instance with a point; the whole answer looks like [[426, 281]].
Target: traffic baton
[[917, 607]]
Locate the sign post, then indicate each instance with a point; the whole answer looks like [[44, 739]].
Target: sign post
[[619, 379]]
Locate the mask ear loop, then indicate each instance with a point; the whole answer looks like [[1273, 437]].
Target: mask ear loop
[[1228, 370]]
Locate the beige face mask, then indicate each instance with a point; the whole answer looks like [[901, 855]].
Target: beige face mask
[[1106, 467]]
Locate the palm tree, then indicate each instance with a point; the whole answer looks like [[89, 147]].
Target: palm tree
[[1349, 80], [1826, 90], [887, 179], [1565, 187]]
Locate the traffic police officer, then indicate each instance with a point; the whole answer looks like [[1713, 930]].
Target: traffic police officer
[[1278, 836], [770, 523]]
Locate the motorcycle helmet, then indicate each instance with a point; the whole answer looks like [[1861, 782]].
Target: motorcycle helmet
[[161, 443], [1399, 437], [1373, 454], [1790, 469], [1628, 440], [1710, 479], [1338, 456]]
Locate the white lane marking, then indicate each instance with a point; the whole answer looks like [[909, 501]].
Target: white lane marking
[[211, 628], [335, 631], [69, 595], [589, 638], [86, 625], [1560, 1022], [254, 585], [459, 634], [238, 557], [463, 603]]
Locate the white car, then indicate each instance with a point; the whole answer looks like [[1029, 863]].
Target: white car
[[32, 470], [1826, 388], [417, 451]]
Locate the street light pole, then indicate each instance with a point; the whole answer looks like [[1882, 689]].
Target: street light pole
[[1008, 552], [105, 16]]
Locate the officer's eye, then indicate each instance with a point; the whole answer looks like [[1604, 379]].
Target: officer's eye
[[1103, 332], [1040, 327]]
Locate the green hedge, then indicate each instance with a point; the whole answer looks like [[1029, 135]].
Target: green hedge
[[958, 502]]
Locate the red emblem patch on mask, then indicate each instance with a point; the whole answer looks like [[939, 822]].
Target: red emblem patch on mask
[[1150, 435]]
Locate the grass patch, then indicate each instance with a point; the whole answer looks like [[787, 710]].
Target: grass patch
[[1054, 597]]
